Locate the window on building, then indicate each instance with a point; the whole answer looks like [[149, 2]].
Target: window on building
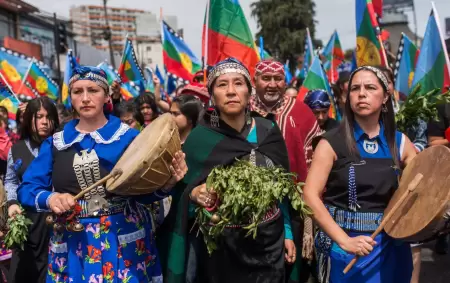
[[149, 48]]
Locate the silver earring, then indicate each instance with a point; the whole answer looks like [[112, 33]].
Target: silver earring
[[214, 119], [384, 108]]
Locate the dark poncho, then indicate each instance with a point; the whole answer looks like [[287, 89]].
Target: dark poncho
[[238, 259]]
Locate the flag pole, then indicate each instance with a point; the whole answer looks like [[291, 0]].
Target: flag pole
[[310, 45], [261, 47], [205, 42], [26, 75], [9, 87], [436, 15]]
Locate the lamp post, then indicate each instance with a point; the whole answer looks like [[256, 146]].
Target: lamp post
[[107, 35]]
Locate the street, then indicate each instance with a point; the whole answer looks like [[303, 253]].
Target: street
[[435, 267]]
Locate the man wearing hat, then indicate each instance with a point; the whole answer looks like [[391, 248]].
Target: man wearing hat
[[299, 127]]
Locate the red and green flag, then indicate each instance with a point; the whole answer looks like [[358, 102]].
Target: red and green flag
[[179, 59], [334, 57], [228, 34], [317, 79], [433, 67], [369, 48], [40, 83]]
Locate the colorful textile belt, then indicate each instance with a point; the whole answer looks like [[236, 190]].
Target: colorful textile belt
[[113, 207], [356, 221], [349, 221]]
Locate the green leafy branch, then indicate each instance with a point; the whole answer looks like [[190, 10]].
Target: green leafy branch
[[246, 193], [420, 106], [18, 231]]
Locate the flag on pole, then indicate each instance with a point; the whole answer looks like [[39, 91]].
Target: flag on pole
[[71, 63], [369, 48], [287, 71], [10, 64], [40, 83], [308, 55], [8, 100], [129, 70], [228, 34], [179, 59], [433, 67], [405, 66], [317, 79], [335, 56]]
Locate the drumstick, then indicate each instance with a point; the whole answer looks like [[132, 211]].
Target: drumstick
[[411, 187], [113, 174]]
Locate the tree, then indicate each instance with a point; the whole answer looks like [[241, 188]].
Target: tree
[[282, 24]]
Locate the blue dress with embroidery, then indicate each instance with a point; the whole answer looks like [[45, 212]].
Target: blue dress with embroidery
[[358, 191], [116, 245]]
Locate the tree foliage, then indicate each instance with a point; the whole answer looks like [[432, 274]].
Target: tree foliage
[[282, 24]]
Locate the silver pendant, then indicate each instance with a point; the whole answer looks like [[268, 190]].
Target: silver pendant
[[96, 203], [370, 146]]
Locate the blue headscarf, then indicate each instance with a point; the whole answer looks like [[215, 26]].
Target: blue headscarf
[[94, 74], [317, 99]]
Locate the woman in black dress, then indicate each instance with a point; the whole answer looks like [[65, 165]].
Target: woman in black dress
[[40, 122]]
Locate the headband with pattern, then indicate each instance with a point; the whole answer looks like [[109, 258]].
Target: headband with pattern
[[94, 74], [271, 66], [377, 73], [229, 65]]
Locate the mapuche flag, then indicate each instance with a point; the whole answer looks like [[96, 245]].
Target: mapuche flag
[[179, 59], [71, 64], [334, 57], [8, 100], [317, 79], [433, 67], [129, 70], [369, 50], [40, 83], [405, 66], [228, 34]]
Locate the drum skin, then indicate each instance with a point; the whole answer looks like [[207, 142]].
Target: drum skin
[[422, 214], [145, 163]]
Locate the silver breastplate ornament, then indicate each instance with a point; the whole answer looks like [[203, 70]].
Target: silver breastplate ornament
[[87, 170]]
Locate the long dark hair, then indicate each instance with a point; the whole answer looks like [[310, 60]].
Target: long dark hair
[[190, 107], [129, 107], [29, 125], [387, 118], [147, 98]]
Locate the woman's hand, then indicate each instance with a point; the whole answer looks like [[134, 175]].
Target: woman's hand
[[178, 168], [156, 81], [13, 210], [361, 245], [290, 251], [203, 197], [115, 90], [60, 203]]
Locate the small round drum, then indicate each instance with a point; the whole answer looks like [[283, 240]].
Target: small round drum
[[145, 163], [422, 215]]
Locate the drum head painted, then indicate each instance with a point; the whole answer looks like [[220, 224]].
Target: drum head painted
[[418, 217], [145, 163]]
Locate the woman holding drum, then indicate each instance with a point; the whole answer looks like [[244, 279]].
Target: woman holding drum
[[109, 241], [359, 165]]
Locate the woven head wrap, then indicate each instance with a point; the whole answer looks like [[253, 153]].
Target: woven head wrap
[[93, 74], [380, 75], [269, 66], [317, 99], [229, 65]]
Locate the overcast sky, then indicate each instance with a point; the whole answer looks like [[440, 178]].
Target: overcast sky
[[330, 15]]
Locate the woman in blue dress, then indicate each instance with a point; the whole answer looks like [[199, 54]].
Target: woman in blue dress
[[353, 175], [115, 244]]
